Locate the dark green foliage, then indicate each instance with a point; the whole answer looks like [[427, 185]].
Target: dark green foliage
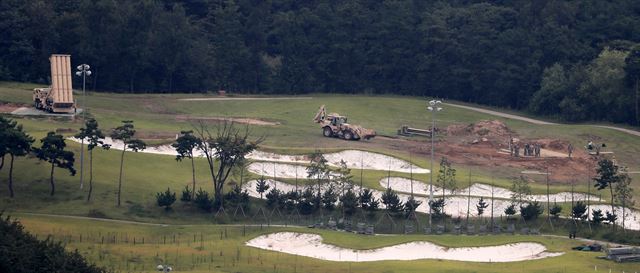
[[308, 202], [262, 186], [237, 197], [437, 208], [184, 145], [94, 136], [579, 210], [597, 217], [53, 151], [611, 218], [349, 202], [292, 200], [275, 199], [187, 194], [329, 198], [481, 206], [126, 133], [488, 52], [203, 201], [21, 252], [166, 199], [367, 201], [531, 210], [13, 142], [391, 201], [555, 211], [510, 210], [411, 205]]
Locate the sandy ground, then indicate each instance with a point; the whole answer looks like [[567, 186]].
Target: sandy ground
[[279, 170], [311, 245], [355, 159], [456, 206], [402, 184], [245, 98]]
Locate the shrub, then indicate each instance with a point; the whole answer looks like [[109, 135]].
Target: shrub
[[166, 199], [186, 194], [203, 201], [531, 210]]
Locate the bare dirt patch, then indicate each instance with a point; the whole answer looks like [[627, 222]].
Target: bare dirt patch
[[9, 107], [250, 121]]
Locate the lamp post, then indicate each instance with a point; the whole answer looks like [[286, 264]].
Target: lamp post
[[83, 71], [433, 107]]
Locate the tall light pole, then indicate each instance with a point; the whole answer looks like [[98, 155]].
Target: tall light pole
[[433, 107], [83, 71]]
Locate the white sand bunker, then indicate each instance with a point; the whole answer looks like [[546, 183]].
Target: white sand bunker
[[356, 159], [632, 217], [311, 245], [280, 170], [456, 206], [401, 184]]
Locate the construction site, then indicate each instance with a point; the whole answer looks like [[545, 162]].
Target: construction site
[[397, 154]]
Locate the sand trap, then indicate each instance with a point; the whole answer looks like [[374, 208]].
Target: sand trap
[[370, 161], [456, 206], [402, 184], [250, 121], [311, 245], [280, 170], [632, 217]]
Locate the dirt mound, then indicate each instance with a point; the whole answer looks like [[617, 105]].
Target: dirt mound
[[490, 128], [9, 107], [553, 144], [484, 128]]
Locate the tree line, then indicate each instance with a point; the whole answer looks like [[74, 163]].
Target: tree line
[[576, 60], [22, 252]]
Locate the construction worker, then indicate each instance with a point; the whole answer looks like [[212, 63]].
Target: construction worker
[[570, 149]]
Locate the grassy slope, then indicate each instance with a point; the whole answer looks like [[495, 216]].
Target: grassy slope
[[230, 255], [296, 134]]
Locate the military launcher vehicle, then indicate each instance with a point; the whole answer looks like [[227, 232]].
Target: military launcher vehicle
[[57, 98]]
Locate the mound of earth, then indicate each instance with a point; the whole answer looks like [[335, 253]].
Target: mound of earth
[[483, 128]]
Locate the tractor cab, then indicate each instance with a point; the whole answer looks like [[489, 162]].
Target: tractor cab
[[338, 120]]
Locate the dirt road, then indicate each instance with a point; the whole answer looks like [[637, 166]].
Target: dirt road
[[536, 121]]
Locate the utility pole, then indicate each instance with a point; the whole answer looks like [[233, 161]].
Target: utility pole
[[433, 107], [83, 71]]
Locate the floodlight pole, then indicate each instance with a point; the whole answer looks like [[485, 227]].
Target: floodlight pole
[[83, 70], [433, 107]]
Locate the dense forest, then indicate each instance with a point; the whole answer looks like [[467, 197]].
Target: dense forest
[[576, 60], [22, 252]]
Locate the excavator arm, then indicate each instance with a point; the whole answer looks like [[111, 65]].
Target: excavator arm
[[320, 115]]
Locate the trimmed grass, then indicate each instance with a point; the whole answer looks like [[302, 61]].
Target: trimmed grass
[[214, 248]]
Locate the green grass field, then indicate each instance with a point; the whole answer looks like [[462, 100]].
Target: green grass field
[[146, 174], [215, 248]]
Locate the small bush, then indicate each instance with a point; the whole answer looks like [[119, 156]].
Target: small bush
[[186, 194], [166, 199], [203, 201]]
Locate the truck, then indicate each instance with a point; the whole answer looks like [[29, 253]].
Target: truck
[[57, 98], [336, 125]]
